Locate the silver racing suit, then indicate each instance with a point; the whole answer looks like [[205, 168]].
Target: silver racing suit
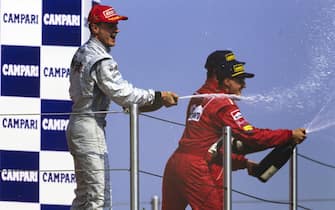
[[94, 82]]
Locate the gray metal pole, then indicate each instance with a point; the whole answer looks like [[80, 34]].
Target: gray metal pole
[[227, 168], [294, 180], [134, 160], [155, 203]]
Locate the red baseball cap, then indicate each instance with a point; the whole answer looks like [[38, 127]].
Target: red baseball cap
[[104, 14]]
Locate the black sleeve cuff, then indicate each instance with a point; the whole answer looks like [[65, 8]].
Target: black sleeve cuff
[[158, 99]]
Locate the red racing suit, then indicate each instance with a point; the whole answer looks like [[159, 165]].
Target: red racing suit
[[192, 176]]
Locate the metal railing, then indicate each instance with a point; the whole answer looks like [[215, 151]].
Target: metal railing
[[227, 168], [294, 180], [134, 160]]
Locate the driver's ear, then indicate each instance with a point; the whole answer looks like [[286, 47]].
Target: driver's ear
[[226, 82], [94, 28]]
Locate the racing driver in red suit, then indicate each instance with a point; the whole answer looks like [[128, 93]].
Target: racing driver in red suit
[[194, 173]]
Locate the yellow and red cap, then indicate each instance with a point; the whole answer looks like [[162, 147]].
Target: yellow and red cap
[[104, 14]]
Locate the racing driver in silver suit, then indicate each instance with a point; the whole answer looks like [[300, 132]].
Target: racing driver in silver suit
[[94, 82]]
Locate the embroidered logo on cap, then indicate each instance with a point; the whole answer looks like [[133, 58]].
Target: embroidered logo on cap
[[230, 57], [237, 70], [109, 13]]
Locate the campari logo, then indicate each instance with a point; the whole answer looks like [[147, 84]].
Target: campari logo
[[61, 22], [54, 124], [20, 71], [19, 176]]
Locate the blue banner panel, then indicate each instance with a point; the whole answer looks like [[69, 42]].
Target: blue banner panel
[[19, 176], [61, 22], [53, 127], [20, 73]]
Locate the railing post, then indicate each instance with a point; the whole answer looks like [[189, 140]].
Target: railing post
[[155, 203], [134, 160], [227, 168], [294, 180]]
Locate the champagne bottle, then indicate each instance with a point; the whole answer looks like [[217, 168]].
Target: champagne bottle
[[273, 161]]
